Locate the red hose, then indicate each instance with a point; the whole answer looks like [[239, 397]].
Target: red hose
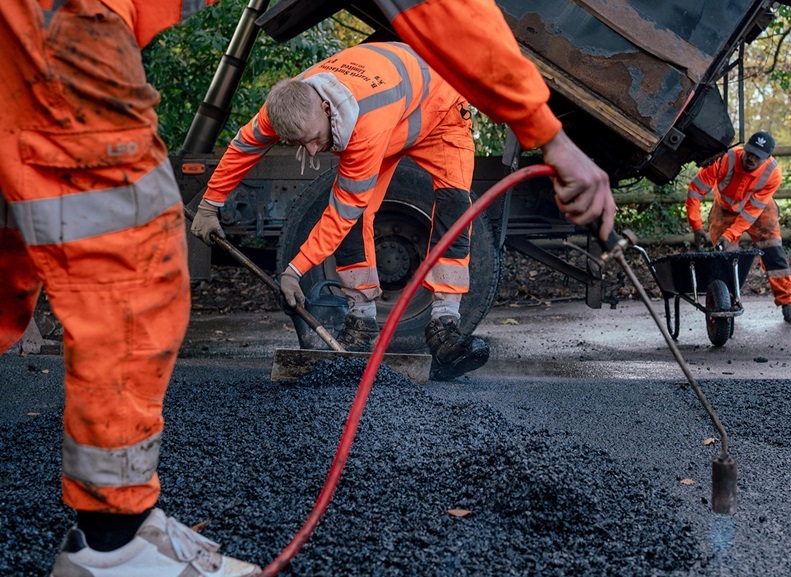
[[345, 445]]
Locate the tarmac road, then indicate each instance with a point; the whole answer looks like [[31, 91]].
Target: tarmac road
[[567, 340], [578, 448]]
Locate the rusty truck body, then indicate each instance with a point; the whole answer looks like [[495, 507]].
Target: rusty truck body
[[638, 84]]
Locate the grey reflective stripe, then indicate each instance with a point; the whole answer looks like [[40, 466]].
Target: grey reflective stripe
[[401, 90], [89, 214], [778, 273], [391, 8], [189, 7], [728, 174], [415, 120], [126, 467], [757, 203], [747, 216], [258, 135], [359, 277], [356, 186], [769, 243], [376, 101], [702, 186], [259, 149], [449, 274], [765, 176], [344, 210], [695, 194], [760, 183], [48, 14]]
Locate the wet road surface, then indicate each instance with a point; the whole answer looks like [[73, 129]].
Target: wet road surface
[[578, 449]]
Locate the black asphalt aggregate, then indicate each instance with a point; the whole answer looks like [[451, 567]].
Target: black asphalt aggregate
[[561, 477]]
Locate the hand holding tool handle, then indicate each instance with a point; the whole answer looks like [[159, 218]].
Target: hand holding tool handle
[[300, 309], [612, 239]]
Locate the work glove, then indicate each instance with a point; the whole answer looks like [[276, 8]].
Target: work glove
[[289, 284], [206, 222], [724, 244], [702, 239]]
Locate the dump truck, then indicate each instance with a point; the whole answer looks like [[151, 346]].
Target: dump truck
[[640, 86]]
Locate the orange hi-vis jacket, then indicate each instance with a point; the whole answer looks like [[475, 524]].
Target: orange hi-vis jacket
[[745, 194], [470, 45], [384, 99], [90, 208]]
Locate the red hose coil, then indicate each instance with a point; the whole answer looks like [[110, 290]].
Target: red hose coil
[[366, 382]]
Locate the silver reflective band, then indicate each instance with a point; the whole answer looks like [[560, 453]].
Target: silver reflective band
[[345, 211], [89, 214], [770, 242], [357, 186], [127, 467], [454, 275], [702, 186], [391, 8]]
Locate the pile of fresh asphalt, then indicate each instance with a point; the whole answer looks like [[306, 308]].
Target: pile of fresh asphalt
[[250, 457]]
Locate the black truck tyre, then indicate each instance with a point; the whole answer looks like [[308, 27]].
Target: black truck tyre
[[401, 231], [718, 297]]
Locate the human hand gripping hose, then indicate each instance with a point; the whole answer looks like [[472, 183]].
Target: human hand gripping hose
[[724, 474]]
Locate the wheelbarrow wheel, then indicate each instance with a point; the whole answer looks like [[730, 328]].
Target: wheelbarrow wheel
[[718, 297]]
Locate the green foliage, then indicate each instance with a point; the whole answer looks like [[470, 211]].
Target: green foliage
[[653, 219], [181, 63], [489, 137]]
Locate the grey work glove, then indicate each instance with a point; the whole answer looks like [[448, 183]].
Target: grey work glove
[[724, 244], [206, 222], [289, 284], [702, 239]]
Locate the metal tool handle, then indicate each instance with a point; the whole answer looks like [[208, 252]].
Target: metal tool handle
[[723, 496], [240, 257]]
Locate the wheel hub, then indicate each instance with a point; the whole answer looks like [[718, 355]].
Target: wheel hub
[[393, 261]]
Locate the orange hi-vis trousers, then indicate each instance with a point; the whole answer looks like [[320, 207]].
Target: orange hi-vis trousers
[[448, 155], [765, 234], [89, 208]]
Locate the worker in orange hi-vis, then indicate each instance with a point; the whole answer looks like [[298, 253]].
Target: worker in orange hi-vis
[[371, 105], [90, 210], [744, 181], [469, 43]]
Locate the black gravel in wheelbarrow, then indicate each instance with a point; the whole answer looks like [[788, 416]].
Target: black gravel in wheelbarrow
[[251, 456]]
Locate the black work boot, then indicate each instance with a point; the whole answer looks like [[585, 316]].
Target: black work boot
[[787, 313], [359, 334], [452, 353]]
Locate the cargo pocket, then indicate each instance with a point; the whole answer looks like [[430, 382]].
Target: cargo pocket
[[459, 153], [87, 197]]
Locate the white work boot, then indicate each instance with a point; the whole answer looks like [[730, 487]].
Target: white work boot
[[162, 547]]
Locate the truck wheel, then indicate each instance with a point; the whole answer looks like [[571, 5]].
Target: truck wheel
[[718, 298], [401, 234]]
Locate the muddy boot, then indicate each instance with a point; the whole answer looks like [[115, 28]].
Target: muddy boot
[[359, 334], [787, 313], [452, 353]]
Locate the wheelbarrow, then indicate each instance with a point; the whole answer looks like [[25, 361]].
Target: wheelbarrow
[[718, 275]]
